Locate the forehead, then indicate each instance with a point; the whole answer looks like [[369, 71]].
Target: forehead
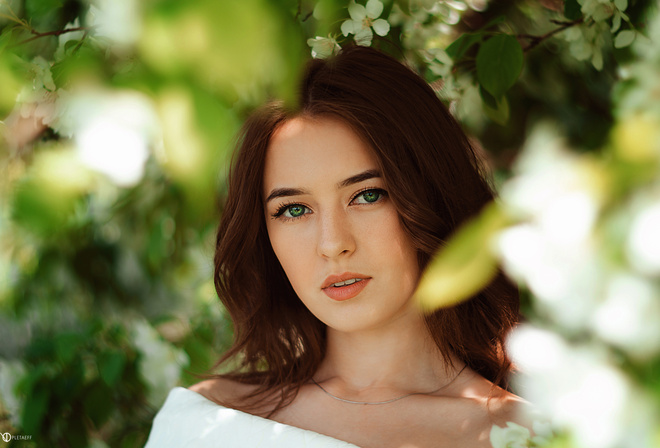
[[310, 150]]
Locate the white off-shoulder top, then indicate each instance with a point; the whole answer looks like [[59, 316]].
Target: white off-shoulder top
[[187, 419]]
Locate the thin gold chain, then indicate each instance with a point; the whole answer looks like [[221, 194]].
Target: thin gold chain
[[393, 399]]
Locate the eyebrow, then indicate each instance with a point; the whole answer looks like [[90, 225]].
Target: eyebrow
[[360, 177]]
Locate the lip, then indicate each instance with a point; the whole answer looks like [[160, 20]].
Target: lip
[[344, 292], [332, 279]]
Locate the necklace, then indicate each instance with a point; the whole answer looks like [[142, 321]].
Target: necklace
[[393, 399]]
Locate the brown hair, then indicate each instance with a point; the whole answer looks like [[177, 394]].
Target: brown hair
[[435, 182]]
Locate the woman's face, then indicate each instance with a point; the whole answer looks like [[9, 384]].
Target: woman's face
[[334, 229]]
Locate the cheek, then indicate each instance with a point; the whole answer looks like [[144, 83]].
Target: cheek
[[396, 249], [291, 250]]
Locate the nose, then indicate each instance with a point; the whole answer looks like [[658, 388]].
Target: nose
[[335, 237]]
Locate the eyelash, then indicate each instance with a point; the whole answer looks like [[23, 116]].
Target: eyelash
[[284, 206]]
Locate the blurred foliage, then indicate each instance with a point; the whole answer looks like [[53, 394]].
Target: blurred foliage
[[118, 119]]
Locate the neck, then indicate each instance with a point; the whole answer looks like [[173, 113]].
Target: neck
[[378, 363]]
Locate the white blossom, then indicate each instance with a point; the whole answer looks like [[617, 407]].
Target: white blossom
[[587, 40], [118, 20], [557, 196], [628, 316], [363, 19], [160, 362], [439, 62], [643, 72], [113, 131], [542, 432], [323, 47], [38, 98], [575, 386], [643, 245], [428, 24], [511, 436]]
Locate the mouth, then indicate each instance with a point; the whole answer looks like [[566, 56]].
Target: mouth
[[344, 286], [346, 283], [345, 279]]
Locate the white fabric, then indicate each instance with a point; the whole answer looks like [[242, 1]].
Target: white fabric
[[187, 419]]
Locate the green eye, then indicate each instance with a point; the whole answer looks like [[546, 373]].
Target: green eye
[[370, 196], [291, 211], [294, 211]]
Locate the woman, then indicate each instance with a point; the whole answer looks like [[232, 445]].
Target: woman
[[334, 210]]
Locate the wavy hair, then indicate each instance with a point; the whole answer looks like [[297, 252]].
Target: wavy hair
[[434, 179]]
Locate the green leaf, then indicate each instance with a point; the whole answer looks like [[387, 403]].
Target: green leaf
[[70, 44], [499, 63], [66, 346], [86, 61], [111, 366], [465, 265], [487, 98], [460, 46], [500, 113], [27, 383], [624, 38], [34, 410], [572, 10], [5, 39], [66, 385], [36, 208], [198, 353], [41, 8], [40, 349], [622, 5], [11, 80], [616, 22]]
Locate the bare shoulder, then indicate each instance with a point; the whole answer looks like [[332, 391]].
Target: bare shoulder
[[489, 405], [506, 407], [223, 391]]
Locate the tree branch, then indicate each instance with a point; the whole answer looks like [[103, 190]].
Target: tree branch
[[534, 41], [37, 35], [309, 14]]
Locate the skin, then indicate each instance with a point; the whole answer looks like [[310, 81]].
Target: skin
[[378, 346], [340, 231]]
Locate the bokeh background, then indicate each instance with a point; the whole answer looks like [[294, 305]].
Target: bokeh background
[[118, 120]]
